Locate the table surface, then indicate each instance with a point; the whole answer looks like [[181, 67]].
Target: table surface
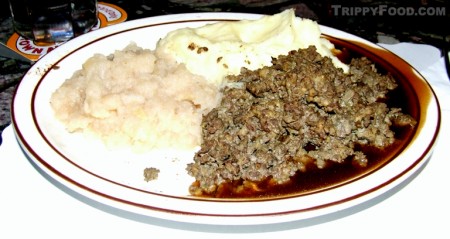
[[388, 28]]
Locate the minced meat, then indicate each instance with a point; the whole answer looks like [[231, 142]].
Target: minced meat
[[151, 174], [274, 121]]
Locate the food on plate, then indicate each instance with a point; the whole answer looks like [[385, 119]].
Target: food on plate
[[257, 102], [151, 173], [298, 113], [223, 48], [135, 98]]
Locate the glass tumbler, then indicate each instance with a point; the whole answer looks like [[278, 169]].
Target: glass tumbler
[[53, 20]]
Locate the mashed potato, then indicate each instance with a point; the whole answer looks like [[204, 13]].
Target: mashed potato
[[135, 98], [221, 49]]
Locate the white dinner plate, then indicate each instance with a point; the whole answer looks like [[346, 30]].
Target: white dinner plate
[[115, 178]]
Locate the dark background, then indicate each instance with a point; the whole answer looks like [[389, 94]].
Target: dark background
[[426, 29]]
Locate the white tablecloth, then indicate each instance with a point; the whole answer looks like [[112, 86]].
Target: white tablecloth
[[31, 206]]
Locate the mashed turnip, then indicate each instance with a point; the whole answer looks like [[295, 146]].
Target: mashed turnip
[[135, 98]]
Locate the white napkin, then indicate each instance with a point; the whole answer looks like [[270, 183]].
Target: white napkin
[[428, 61]]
